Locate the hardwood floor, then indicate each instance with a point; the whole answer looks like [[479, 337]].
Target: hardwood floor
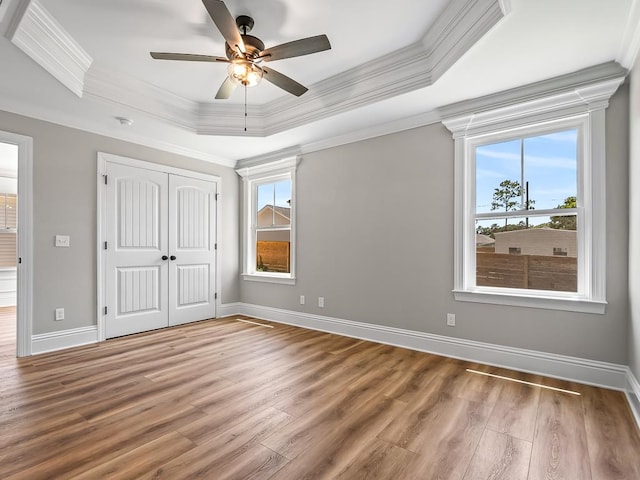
[[225, 399]]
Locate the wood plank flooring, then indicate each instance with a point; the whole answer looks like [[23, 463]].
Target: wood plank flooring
[[224, 399]]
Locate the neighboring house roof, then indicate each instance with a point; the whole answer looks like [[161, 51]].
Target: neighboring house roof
[[537, 232], [483, 240], [284, 211]]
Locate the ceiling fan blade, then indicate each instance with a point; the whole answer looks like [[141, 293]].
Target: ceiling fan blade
[[226, 89], [284, 82], [297, 48], [225, 22], [190, 57]]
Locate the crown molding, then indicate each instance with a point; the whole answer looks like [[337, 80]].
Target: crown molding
[[120, 89], [506, 6], [41, 37], [275, 165], [630, 45], [575, 93], [556, 85], [246, 164], [38, 112], [457, 28], [399, 72], [415, 121], [400, 125], [416, 66], [228, 119]]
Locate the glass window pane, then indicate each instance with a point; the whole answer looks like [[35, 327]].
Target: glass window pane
[[495, 164], [551, 169], [274, 204], [543, 257], [273, 251]]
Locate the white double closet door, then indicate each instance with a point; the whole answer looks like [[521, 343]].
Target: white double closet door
[[160, 250]]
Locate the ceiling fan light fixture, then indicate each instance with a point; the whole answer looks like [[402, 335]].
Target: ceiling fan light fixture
[[245, 73], [244, 52]]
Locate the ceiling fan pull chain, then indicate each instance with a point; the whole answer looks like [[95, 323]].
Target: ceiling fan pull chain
[[245, 108]]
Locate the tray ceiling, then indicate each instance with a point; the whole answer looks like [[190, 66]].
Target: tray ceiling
[[83, 64]]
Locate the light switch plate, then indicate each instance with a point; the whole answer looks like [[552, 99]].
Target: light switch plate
[[62, 240]]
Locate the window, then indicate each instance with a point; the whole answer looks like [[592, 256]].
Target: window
[[269, 225], [530, 196], [526, 191], [273, 226]]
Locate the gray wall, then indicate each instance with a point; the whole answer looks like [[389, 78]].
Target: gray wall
[[375, 238], [634, 223], [64, 183]]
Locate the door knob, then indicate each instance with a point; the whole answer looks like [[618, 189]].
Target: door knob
[[172, 257], [164, 257]]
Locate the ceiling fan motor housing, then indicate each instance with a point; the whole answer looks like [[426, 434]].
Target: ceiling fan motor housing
[[253, 46]]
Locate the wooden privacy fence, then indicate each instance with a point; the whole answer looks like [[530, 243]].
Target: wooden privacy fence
[[273, 256], [536, 272]]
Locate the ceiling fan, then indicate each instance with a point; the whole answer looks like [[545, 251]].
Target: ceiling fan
[[245, 53]]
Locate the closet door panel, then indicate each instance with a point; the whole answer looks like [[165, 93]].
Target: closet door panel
[[137, 232], [192, 243]]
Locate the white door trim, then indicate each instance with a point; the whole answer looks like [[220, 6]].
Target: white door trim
[[102, 160], [24, 302]]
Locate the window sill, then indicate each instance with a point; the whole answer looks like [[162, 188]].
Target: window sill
[[569, 304], [257, 277]]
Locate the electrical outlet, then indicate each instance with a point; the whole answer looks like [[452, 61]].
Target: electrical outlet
[[321, 302], [59, 314], [301, 299], [451, 319]]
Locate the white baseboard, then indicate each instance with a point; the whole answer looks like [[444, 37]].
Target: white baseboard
[[228, 309], [581, 370], [633, 395], [49, 342]]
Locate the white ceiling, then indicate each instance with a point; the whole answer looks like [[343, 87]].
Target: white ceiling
[[168, 101]]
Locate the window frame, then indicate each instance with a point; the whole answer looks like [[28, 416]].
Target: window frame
[[579, 123], [521, 113], [252, 177]]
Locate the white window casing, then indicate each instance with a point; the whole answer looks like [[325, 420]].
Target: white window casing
[[574, 101], [253, 176]]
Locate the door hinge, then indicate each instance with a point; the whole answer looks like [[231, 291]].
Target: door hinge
[[215, 246], [217, 196], [19, 259], [215, 296], [105, 245], [105, 179], [105, 310]]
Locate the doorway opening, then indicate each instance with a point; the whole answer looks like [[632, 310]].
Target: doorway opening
[[8, 247], [16, 253]]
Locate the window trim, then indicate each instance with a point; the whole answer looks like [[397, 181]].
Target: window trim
[[521, 113], [579, 123], [252, 177]]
